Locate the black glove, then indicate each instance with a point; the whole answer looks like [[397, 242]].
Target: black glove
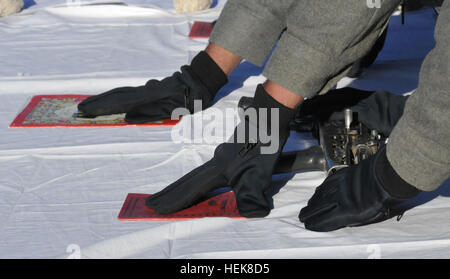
[[157, 99], [378, 110], [241, 166], [357, 195]]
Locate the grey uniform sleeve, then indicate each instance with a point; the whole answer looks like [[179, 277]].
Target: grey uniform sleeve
[[419, 145]]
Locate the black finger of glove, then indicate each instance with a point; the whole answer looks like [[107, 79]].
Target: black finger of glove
[[118, 100], [344, 201], [182, 94], [323, 106], [125, 99], [188, 190], [155, 111], [355, 196], [381, 111], [249, 174], [251, 189], [378, 110]]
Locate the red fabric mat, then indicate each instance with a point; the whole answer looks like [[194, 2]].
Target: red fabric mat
[[223, 205], [58, 111], [201, 29]]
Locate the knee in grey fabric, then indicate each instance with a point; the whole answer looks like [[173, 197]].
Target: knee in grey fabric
[[251, 28], [323, 39]]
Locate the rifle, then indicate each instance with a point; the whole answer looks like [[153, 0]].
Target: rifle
[[342, 142]]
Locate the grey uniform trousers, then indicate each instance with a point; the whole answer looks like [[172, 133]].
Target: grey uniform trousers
[[322, 40]]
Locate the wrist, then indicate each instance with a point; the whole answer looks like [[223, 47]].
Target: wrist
[[391, 182], [263, 99], [208, 73]]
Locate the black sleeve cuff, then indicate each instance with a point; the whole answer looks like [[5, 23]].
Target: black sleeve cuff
[[392, 183], [208, 72]]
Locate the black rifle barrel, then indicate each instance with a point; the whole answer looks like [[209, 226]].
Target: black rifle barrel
[[311, 159]]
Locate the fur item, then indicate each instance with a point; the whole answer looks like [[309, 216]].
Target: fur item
[[189, 6], [9, 7]]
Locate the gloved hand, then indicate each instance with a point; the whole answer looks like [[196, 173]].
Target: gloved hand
[[242, 165], [357, 195], [378, 110], [157, 99]]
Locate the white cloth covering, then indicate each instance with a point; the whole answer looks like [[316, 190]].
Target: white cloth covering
[[63, 188]]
